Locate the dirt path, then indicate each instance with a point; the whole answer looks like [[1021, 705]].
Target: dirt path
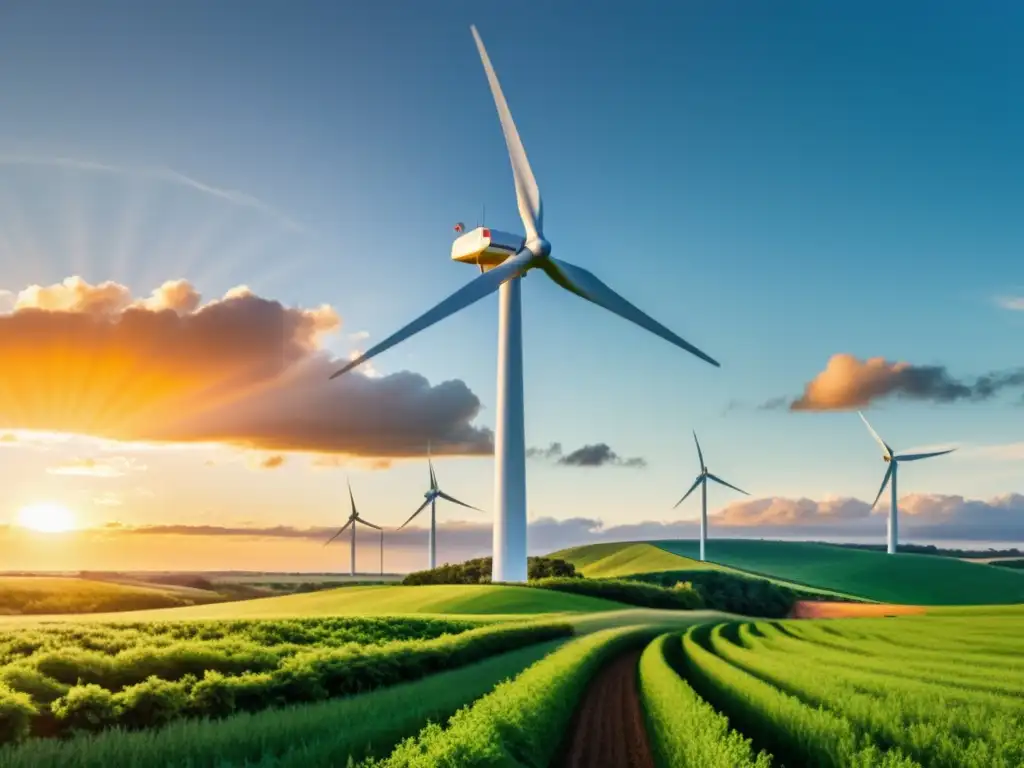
[[808, 609], [608, 730]]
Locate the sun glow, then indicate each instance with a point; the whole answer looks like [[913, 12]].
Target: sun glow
[[46, 518]]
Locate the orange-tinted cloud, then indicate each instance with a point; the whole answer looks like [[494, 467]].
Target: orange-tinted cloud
[[242, 369], [112, 466], [848, 382], [270, 462]]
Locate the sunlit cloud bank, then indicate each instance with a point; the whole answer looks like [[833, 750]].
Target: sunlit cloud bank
[[242, 369], [848, 382]]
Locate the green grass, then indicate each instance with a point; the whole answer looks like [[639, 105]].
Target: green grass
[[608, 561], [301, 736], [901, 578], [620, 559], [37, 595], [482, 600]]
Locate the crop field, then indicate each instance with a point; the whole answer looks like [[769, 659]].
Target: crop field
[[71, 678], [597, 685], [32, 595], [481, 600], [845, 572]]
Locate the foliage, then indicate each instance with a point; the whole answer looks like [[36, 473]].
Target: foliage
[[1013, 564], [523, 721], [478, 571], [16, 713], [304, 736], [684, 729], [732, 593], [796, 733], [153, 674], [680, 596]]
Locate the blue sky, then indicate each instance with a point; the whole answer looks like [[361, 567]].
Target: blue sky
[[777, 185]]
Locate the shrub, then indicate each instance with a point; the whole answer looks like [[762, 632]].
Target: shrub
[[86, 708], [152, 702], [43, 690], [16, 713], [681, 597], [729, 592], [478, 571], [213, 696]]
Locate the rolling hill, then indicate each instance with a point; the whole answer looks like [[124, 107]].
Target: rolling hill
[[903, 578], [33, 595], [484, 600]]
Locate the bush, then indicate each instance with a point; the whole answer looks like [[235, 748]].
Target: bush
[[152, 702], [721, 591], [16, 713], [86, 708], [43, 690], [478, 571], [681, 597]]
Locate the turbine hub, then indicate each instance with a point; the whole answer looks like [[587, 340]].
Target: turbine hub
[[539, 247]]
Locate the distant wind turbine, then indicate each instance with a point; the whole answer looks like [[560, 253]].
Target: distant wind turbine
[[893, 460], [431, 496], [702, 481], [504, 258], [354, 518]]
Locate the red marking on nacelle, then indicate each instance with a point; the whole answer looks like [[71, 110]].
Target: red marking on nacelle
[[486, 232]]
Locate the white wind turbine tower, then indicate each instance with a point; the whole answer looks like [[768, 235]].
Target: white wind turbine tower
[[431, 496], [354, 518], [702, 481], [503, 258], [893, 460]]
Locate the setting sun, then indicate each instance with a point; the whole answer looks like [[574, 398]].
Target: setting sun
[[46, 518]]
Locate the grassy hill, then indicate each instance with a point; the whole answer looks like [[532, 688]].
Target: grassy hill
[[484, 600], [32, 595], [902, 578]]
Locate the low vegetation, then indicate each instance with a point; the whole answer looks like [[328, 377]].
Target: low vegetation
[[478, 571], [70, 679], [301, 736], [939, 691], [523, 721], [684, 729], [680, 596], [35, 595], [732, 593]]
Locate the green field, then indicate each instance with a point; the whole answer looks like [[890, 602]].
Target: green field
[[35, 595], [903, 578], [480, 600], [915, 691]]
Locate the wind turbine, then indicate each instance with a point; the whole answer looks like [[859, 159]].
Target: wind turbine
[[702, 481], [893, 460], [354, 518], [431, 497], [503, 259]]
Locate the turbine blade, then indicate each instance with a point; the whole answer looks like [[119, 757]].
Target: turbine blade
[[586, 285], [916, 456], [699, 454], [527, 193], [340, 531], [355, 512], [421, 508], [881, 442], [371, 525], [484, 285], [430, 464], [692, 489], [720, 481], [453, 500], [885, 482]]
